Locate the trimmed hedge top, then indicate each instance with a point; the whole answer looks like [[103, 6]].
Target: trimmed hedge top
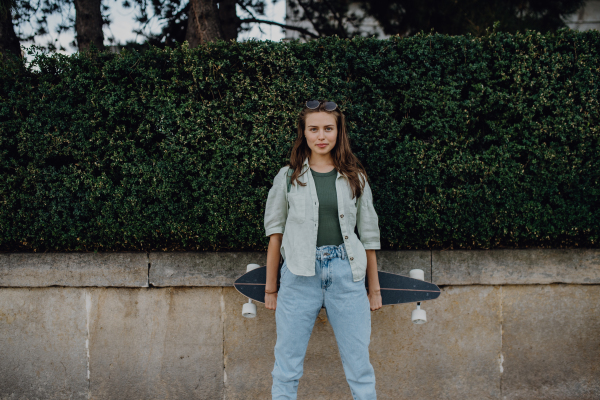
[[468, 142]]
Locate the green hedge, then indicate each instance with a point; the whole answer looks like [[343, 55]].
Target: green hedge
[[468, 142]]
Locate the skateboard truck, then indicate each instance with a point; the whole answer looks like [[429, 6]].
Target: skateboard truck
[[418, 316], [249, 308]]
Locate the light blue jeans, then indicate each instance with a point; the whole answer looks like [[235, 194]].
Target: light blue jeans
[[299, 302]]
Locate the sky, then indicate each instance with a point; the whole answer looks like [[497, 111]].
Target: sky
[[123, 23]]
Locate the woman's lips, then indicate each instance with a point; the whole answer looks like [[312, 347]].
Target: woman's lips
[[322, 145]]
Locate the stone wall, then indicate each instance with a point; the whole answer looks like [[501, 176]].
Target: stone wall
[[509, 324]]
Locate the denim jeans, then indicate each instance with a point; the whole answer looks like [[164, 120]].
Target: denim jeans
[[299, 302]]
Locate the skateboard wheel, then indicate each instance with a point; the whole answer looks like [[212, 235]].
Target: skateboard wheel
[[417, 274], [250, 267], [249, 310], [419, 316]]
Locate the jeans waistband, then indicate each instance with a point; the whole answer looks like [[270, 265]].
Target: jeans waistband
[[331, 251]]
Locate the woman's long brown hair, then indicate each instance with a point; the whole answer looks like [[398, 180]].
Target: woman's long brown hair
[[343, 159]]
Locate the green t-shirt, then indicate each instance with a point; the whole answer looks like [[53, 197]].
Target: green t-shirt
[[329, 232]]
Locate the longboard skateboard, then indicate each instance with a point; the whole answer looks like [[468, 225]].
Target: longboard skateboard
[[395, 289]]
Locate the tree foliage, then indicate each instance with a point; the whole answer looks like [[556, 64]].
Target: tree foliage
[[343, 18], [459, 17]]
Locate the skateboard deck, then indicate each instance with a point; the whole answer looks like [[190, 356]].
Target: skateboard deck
[[395, 289]]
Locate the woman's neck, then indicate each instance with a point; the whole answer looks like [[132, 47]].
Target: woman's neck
[[321, 162]]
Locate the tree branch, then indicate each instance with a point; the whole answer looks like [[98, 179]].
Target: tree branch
[[312, 22], [251, 14], [294, 28], [337, 17]]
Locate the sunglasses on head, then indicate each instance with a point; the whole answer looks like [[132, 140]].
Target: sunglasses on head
[[329, 105]]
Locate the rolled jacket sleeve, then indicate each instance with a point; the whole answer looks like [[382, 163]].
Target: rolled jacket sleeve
[[276, 208], [367, 221]]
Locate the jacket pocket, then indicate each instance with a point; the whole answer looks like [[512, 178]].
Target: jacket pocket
[[297, 207]]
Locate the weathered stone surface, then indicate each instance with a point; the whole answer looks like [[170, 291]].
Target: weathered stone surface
[[514, 266], [223, 268], [481, 342], [248, 349], [127, 269], [551, 342], [43, 344], [156, 344], [453, 356], [401, 262], [192, 268]]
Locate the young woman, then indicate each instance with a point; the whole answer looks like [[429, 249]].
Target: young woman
[[325, 263]]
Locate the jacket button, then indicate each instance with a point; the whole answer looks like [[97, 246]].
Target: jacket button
[[342, 215], [345, 237], [351, 258]]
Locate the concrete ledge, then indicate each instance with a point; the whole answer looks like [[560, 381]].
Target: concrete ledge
[[401, 262], [125, 269], [196, 268], [518, 267], [454, 267], [223, 268]]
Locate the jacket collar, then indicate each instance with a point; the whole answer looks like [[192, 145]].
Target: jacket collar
[[305, 163]]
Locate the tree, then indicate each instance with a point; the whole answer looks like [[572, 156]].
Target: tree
[[329, 17], [176, 20], [229, 19], [9, 43], [404, 17], [458, 17], [88, 24], [26, 12], [203, 22]]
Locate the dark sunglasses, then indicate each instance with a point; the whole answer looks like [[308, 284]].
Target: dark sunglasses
[[329, 105]]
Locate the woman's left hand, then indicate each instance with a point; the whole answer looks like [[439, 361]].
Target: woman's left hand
[[375, 300]]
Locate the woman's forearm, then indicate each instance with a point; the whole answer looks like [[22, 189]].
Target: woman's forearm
[[372, 276], [273, 258]]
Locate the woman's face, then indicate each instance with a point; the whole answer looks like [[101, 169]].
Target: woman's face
[[320, 132]]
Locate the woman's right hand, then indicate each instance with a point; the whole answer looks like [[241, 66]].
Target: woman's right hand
[[271, 301]]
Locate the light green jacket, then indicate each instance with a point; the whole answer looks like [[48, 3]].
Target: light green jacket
[[300, 224]]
